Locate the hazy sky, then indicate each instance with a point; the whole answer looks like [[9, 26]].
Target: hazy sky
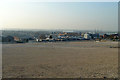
[[59, 15]]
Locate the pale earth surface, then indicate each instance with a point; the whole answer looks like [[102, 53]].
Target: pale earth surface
[[60, 60]]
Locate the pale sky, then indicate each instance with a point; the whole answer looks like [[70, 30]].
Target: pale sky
[[59, 15]]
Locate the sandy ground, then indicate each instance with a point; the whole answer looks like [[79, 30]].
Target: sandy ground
[[60, 60]]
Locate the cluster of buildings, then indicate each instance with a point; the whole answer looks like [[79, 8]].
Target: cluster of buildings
[[74, 36], [62, 36], [13, 39]]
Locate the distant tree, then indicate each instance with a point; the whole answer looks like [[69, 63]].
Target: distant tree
[[50, 37]]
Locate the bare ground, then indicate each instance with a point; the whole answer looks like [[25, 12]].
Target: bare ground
[[60, 60]]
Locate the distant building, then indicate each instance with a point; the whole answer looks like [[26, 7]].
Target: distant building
[[16, 38], [42, 36], [8, 39], [86, 36], [24, 40], [55, 36], [95, 35], [105, 36]]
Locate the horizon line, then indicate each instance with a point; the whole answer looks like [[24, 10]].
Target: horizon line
[[59, 30]]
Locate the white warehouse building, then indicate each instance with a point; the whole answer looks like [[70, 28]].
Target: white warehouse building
[[87, 36]]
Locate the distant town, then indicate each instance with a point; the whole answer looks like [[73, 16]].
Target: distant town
[[56, 36]]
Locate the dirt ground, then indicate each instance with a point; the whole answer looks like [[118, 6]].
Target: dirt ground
[[60, 60]]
